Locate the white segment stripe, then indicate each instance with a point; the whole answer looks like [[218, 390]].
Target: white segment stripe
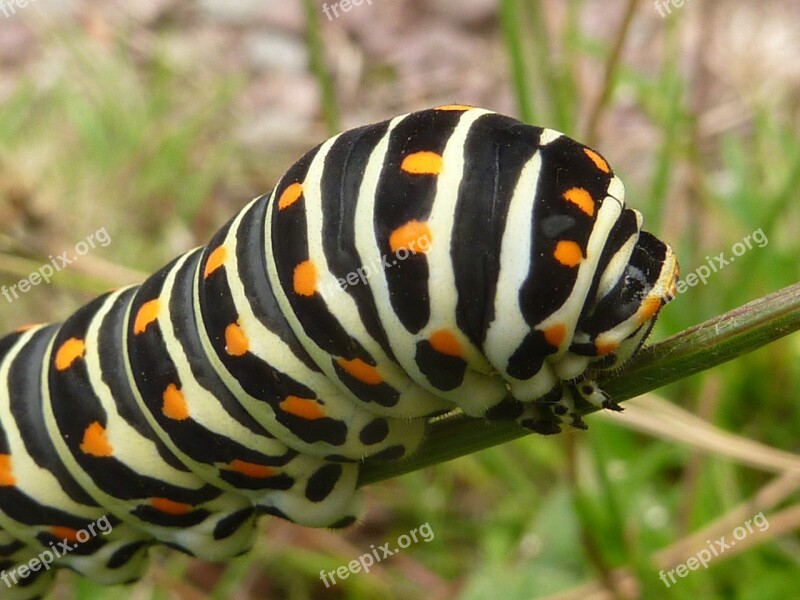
[[138, 452], [321, 358], [548, 136], [478, 390], [509, 327], [205, 409], [257, 409], [41, 486], [33, 480], [366, 241], [271, 349], [264, 343], [444, 294], [145, 410], [619, 262], [407, 409], [413, 402], [125, 508], [568, 313]]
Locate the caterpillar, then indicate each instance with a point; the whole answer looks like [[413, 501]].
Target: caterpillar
[[446, 259]]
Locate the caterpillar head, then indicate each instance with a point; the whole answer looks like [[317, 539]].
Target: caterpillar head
[[636, 283], [594, 282]]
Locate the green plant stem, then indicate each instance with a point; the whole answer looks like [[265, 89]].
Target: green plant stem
[[511, 24], [612, 63], [691, 351], [330, 107]]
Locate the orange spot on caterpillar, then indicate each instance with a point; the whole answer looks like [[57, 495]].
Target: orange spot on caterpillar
[[422, 163], [648, 309], [95, 441], [598, 160], [236, 342], [251, 469], [215, 260], [605, 348], [305, 279], [290, 195], [147, 314], [7, 478], [302, 407], [455, 107], [64, 533], [170, 507], [361, 370], [413, 236], [580, 198], [69, 352], [568, 253], [446, 343], [174, 406], [555, 335]]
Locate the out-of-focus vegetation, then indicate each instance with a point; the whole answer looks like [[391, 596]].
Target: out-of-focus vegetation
[[158, 123]]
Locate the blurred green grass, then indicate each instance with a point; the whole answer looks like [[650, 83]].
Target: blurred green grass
[[146, 151]]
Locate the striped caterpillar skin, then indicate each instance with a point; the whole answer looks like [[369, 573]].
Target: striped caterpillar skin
[[451, 258]]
